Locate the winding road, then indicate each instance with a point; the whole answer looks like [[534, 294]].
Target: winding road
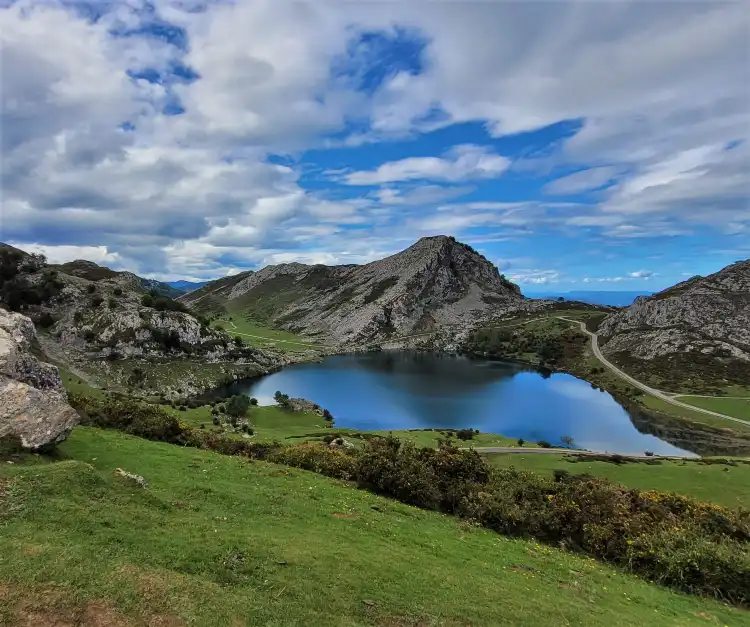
[[667, 398]]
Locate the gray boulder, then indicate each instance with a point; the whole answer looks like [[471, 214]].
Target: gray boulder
[[33, 403]]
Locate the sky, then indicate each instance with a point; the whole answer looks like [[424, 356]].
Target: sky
[[577, 145]]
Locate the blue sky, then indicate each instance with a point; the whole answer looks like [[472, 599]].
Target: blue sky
[[589, 146]]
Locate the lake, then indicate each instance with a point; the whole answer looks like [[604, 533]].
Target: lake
[[410, 390]]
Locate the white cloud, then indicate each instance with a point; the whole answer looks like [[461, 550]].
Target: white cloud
[[535, 277], [642, 274], [464, 162], [63, 254], [662, 89], [585, 180]]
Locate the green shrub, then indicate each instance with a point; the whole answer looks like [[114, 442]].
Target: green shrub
[[146, 421], [237, 406], [216, 421], [91, 288], [465, 434], [321, 459], [543, 444], [117, 291]]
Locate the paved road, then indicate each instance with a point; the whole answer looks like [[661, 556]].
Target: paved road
[[557, 451], [642, 386]]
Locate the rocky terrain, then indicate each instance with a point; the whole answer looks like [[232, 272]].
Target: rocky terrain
[[33, 402], [698, 329], [95, 319], [435, 283]]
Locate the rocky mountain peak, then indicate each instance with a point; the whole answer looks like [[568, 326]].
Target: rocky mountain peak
[[435, 282]]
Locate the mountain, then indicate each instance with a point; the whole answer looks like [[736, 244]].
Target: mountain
[[187, 286], [435, 282], [594, 297], [94, 272], [696, 332], [96, 320]]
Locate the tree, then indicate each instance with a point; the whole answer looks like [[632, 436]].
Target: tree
[[238, 340], [327, 415], [253, 401], [281, 399], [238, 406], [567, 441]]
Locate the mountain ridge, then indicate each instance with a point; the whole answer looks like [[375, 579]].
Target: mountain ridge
[[437, 281], [703, 323]]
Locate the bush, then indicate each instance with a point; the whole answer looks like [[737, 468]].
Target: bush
[[91, 288], [96, 301], [327, 415], [117, 291], [182, 408], [521, 441], [216, 421], [543, 444], [465, 434], [238, 406], [253, 402], [146, 421], [318, 458], [46, 320], [112, 303]]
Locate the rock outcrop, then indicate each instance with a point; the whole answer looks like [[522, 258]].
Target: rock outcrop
[[33, 402], [702, 324], [437, 282]]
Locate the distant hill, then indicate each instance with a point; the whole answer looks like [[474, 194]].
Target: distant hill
[[187, 286], [435, 282], [594, 297], [695, 334]]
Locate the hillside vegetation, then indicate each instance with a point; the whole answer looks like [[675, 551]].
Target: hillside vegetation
[[218, 540]]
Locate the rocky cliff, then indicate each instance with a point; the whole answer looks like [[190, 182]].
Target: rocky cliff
[[435, 283], [33, 402], [697, 329]]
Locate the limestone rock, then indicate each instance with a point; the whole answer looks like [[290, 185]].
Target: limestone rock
[[434, 283], [706, 317], [33, 402]]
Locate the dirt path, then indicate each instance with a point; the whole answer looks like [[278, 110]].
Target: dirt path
[[54, 353], [667, 398]]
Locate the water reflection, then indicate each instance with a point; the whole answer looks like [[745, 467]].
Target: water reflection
[[404, 390]]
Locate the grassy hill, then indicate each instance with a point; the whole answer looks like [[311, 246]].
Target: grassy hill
[[218, 540], [726, 484]]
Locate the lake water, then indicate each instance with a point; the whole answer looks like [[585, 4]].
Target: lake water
[[403, 390]]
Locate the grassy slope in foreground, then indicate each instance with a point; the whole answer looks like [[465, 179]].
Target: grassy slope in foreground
[[221, 541], [715, 483]]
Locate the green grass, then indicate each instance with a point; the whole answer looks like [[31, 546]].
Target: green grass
[[658, 404], [715, 483], [222, 541], [271, 423], [76, 385], [736, 407], [264, 337]]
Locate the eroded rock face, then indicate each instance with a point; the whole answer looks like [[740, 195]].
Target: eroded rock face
[[704, 321], [436, 282], [33, 403]]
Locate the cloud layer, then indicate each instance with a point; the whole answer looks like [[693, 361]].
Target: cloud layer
[[172, 140]]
